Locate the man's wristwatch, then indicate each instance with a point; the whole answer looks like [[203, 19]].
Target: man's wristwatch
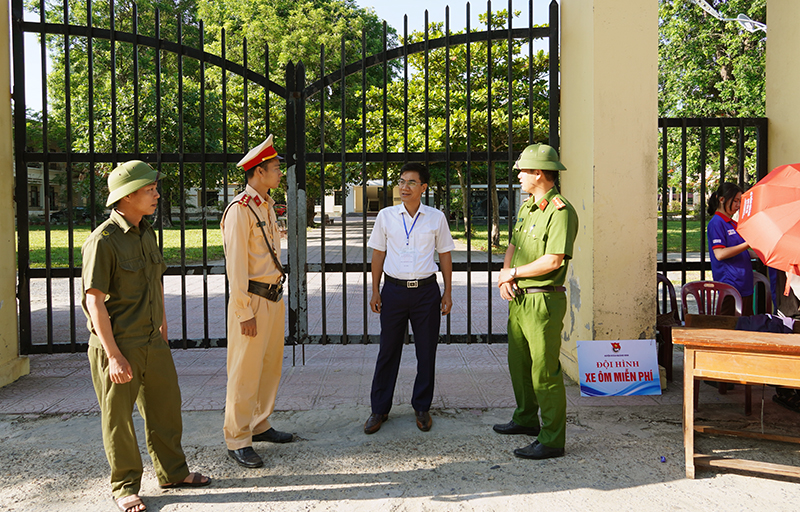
[[513, 273]]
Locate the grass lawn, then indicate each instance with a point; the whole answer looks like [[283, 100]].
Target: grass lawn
[[59, 244], [693, 235], [694, 232], [194, 242], [479, 239]]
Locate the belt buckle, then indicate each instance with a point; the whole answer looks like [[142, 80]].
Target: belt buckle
[[412, 284]]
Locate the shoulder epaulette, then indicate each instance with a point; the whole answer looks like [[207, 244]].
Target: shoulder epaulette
[[108, 229], [559, 203], [245, 200]]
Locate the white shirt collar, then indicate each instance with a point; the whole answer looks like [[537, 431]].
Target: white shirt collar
[[403, 210]]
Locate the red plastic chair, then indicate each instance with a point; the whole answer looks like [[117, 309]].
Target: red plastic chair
[[667, 317], [709, 296]]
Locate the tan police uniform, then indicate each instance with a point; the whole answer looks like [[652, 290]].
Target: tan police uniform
[[124, 262], [254, 364]]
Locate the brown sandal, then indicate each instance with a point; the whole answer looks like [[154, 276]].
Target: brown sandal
[[130, 502], [195, 481]]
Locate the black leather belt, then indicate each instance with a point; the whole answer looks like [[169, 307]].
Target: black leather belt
[[416, 283], [273, 292], [544, 289]]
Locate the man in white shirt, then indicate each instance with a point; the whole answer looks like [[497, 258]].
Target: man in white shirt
[[404, 240]]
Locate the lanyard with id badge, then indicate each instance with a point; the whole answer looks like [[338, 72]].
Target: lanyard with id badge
[[407, 252]]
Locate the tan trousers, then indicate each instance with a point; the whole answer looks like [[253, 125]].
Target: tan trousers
[[254, 371]]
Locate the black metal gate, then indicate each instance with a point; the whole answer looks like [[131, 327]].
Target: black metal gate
[[116, 94], [697, 154]]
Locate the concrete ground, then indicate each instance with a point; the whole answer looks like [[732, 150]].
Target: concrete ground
[[623, 453], [51, 456]]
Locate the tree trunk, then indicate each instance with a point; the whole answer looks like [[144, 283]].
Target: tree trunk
[[495, 213], [464, 204], [310, 212], [163, 215]]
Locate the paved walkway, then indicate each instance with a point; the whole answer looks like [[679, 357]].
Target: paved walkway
[[467, 377]]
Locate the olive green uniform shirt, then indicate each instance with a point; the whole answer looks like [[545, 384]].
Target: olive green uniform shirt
[[124, 262], [547, 227]]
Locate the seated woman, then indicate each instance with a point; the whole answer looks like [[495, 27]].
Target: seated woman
[[730, 258]]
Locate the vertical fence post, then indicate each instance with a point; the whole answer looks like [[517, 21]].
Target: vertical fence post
[[291, 202], [296, 202], [20, 129], [302, 200], [555, 94], [761, 149]]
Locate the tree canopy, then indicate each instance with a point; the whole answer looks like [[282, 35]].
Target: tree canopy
[[471, 104], [710, 68]]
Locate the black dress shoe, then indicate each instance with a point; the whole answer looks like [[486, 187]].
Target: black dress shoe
[[512, 428], [374, 423], [424, 420], [246, 457], [273, 436], [537, 450]]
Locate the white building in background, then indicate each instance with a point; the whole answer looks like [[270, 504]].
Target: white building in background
[[336, 203], [352, 202]]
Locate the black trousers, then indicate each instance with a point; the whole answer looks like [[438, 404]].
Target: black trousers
[[422, 306]]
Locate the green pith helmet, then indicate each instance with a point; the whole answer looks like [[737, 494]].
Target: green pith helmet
[[539, 156], [128, 178]]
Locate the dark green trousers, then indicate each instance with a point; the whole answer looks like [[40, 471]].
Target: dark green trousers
[[535, 321], [154, 389]]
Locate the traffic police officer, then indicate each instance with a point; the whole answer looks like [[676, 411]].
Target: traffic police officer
[[255, 310], [532, 279], [130, 359]]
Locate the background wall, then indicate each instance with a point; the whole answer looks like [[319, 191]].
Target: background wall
[[609, 109]]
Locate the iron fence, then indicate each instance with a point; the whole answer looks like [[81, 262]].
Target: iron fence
[[697, 154], [133, 94]]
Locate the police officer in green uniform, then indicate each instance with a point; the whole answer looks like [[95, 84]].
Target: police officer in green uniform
[[129, 356], [532, 280]]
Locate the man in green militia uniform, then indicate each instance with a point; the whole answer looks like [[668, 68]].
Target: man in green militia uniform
[[128, 352], [532, 280]]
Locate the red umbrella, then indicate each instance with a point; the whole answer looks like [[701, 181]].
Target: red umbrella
[[769, 218]]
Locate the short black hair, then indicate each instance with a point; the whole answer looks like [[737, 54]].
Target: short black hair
[[248, 174], [424, 175], [551, 176]]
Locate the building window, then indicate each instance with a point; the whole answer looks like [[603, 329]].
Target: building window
[[52, 197], [212, 197], [338, 197], [35, 202]]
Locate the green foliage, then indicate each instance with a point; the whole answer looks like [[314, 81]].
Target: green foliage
[[300, 32], [482, 96], [468, 115], [103, 110], [176, 104], [710, 68]]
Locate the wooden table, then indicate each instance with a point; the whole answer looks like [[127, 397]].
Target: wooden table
[[741, 357]]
